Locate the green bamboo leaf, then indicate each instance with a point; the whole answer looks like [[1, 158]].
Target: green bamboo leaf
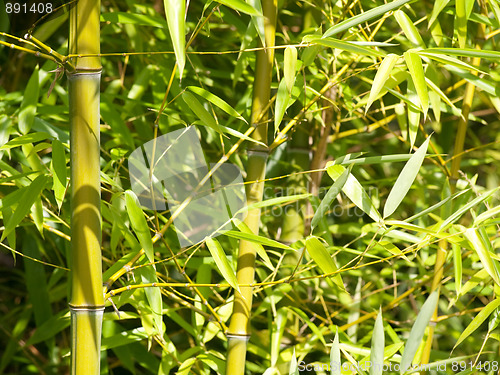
[[461, 21], [354, 191], [289, 67], [451, 219], [488, 85], [200, 111], [275, 201], [30, 100], [432, 80], [448, 60], [332, 193], [466, 52], [418, 330], [366, 16], [441, 96], [257, 239], [439, 5], [294, 369], [222, 262], [310, 323], [377, 346], [342, 45], [405, 179], [278, 325], [335, 363], [258, 247], [409, 28], [478, 320], [139, 223], [416, 70], [413, 113], [175, 11], [59, 171], [282, 103], [483, 249], [26, 139], [240, 6], [383, 74], [215, 100], [457, 266], [133, 19], [153, 296], [30, 195], [320, 255]]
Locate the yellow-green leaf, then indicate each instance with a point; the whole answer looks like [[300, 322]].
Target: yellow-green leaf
[[258, 246], [409, 28], [418, 330], [320, 255], [215, 100], [377, 346], [240, 6], [175, 11], [405, 179], [222, 262], [28, 106], [416, 70], [289, 67], [139, 223], [478, 320], [383, 74], [354, 191], [461, 22], [483, 250], [59, 171], [200, 111], [335, 363]]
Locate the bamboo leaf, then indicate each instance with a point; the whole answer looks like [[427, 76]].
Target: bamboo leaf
[[200, 111], [175, 11], [133, 19], [309, 323], [378, 345], [448, 60], [240, 6], [215, 100], [257, 239], [383, 74], [275, 201], [416, 70], [461, 21], [259, 248], [30, 195], [335, 363], [139, 223], [413, 113], [409, 28], [482, 249], [439, 5], [282, 102], [418, 330], [59, 171], [26, 139], [366, 16], [478, 320], [294, 370], [354, 191], [30, 99], [320, 255], [405, 180], [153, 296], [342, 45], [289, 67], [466, 52], [432, 81], [332, 193], [222, 262]]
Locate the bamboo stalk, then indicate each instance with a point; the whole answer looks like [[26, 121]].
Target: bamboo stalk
[[87, 297], [239, 328]]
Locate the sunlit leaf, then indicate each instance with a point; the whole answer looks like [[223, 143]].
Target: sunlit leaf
[[200, 111], [405, 180], [381, 77], [214, 99], [240, 6], [483, 250], [175, 12], [30, 99], [416, 70], [320, 255], [335, 363], [139, 223], [222, 262], [418, 330], [377, 346], [409, 28], [342, 45], [290, 64]]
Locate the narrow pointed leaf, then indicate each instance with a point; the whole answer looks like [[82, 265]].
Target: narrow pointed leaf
[[59, 171], [200, 111], [282, 102], [343, 45], [222, 262], [215, 100], [153, 295], [259, 248], [383, 74], [483, 251], [354, 191], [416, 70], [461, 21], [240, 6], [467, 52], [175, 11], [139, 223], [332, 193], [366, 16], [29, 104], [294, 369], [439, 5], [335, 363], [289, 67], [310, 323], [413, 113], [409, 28], [405, 179], [30, 195], [257, 239], [378, 345], [478, 320], [418, 330], [320, 255]]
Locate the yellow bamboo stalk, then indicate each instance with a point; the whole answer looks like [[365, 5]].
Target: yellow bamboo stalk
[[239, 328], [87, 297]]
